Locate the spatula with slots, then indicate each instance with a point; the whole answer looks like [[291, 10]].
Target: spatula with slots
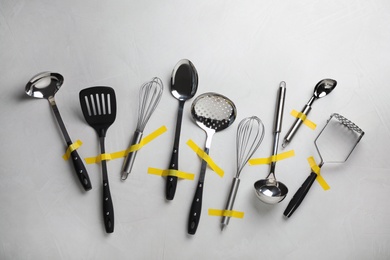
[[99, 109]]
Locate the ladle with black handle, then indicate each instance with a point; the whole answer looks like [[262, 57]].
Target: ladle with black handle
[[45, 85]]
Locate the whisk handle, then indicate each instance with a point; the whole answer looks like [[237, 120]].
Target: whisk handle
[[196, 209], [230, 201], [299, 195]]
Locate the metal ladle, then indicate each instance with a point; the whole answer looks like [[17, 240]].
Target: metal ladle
[[323, 88], [269, 190], [45, 85]]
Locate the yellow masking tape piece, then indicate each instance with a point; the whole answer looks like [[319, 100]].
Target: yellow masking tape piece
[[273, 158], [317, 170], [205, 157], [147, 139], [226, 213], [303, 117], [71, 148], [99, 158], [179, 174], [135, 147]]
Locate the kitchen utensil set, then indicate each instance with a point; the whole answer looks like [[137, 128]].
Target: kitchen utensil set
[[212, 112]]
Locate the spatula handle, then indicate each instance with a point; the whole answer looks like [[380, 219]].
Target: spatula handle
[[81, 171], [108, 208], [300, 195]]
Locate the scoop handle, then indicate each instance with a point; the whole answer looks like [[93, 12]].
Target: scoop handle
[[294, 128], [299, 195], [196, 209], [81, 171]]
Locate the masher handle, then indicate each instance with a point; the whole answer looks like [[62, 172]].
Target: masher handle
[[294, 128], [299, 195]]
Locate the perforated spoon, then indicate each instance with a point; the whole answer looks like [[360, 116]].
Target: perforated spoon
[[212, 112]]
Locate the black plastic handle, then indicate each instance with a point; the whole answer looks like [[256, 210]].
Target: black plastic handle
[[299, 195], [170, 189], [108, 208], [172, 180], [81, 171], [196, 209]]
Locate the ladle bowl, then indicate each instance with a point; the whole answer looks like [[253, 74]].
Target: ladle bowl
[[44, 85], [270, 191]]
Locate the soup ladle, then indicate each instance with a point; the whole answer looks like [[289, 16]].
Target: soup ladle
[[269, 190], [45, 85]]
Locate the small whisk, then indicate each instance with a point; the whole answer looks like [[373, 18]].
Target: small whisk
[[150, 95], [250, 134]]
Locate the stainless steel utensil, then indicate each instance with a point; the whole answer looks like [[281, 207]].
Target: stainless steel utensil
[[270, 190], [250, 133], [184, 84], [150, 95], [337, 140], [45, 85], [212, 112], [323, 88], [99, 109]]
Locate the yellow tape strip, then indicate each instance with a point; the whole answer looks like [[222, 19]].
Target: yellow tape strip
[[205, 157], [273, 158], [147, 139], [71, 148], [132, 148], [317, 170], [226, 213], [303, 117], [179, 174]]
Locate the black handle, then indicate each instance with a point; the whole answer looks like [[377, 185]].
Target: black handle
[[196, 209], [300, 195], [170, 189], [81, 171], [108, 208], [172, 180]]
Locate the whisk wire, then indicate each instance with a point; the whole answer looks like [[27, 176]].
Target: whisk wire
[[250, 133], [150, 95]]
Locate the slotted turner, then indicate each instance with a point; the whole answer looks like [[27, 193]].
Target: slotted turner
[[99, 109]]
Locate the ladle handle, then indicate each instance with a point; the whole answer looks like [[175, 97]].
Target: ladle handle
[[81, 171], [196, 209], [78, 164], [299, 195]]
